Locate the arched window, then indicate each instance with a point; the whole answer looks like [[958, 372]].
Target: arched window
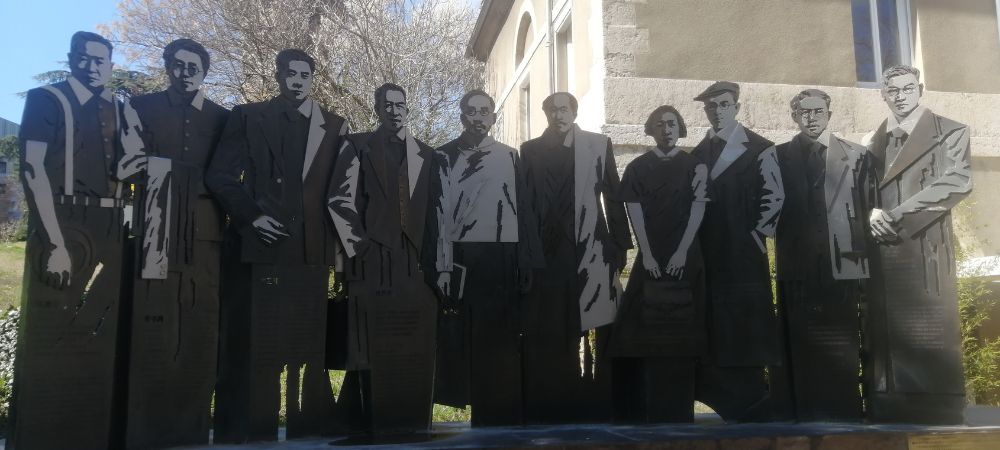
[[524, 38]]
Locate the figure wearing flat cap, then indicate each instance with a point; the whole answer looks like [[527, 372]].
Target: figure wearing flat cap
[[746, 192]]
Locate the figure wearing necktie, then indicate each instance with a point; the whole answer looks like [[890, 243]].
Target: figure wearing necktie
[[168, 140], [922, 167], [64, 374], [746, 192], [270, 172], [821, 258], [382, 199]]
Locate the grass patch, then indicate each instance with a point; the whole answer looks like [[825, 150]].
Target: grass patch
[[11, 274]]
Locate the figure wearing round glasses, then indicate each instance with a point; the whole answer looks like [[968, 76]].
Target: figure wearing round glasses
[[168, 141]]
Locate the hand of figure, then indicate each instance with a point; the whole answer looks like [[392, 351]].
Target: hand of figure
[[268, 229], [444, 283], [651, 266], [58, 268], [525, 280], [675, 267], [882, 226]]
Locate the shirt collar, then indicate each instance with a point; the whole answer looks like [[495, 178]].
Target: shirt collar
[[570, 137], [667, 155], [908, 123], [824, 138], [726, 133], [467, 144], [306, 108], [83, 94], [176, 98]]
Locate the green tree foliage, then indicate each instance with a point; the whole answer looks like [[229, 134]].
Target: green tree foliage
[[124, 83]]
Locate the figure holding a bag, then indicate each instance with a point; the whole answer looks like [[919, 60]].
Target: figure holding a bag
[[659, 331]]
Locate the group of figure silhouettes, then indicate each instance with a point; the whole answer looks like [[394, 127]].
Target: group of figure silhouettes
[[471, 274]]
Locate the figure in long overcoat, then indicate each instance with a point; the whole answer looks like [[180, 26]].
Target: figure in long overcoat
[[659, 332], [270, 173], [382, 199], [821, 260], [922, 166], [64, 374], [746, 192], [569, 173], [168, 141]]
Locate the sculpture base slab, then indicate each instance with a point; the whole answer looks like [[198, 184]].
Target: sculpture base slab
[[708, 432]]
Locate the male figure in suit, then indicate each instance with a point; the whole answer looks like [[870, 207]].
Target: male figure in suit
[[168, 141], [746, 192], [381, 200], [270, 173], [922, 167], [65, 365], [572, 286], [821, 258]]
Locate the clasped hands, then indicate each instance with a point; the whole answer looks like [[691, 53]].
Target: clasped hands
[[675, 266], [885, 228]]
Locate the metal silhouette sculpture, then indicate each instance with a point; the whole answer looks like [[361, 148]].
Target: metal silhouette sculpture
[[821, 258], [573, 286], [382, 200], [747, 196], [479, 357], [659, 332], [168, 140], [270, 172], [922, 166], [64, 379]]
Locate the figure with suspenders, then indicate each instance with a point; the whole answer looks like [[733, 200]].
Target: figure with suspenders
[[65, 366]]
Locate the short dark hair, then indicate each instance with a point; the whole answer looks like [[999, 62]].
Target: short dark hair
[[473, 93], [797, 100], [185, 44], [384, 89], [897, 70], [658, 113], [288, 55], [81, 38], [549, 102]]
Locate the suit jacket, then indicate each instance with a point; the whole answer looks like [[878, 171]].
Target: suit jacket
[[358, 201], [845, 209], [601, 233], [246, 175]]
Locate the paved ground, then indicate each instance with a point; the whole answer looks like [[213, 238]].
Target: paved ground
[[983, 428], [984, 422]]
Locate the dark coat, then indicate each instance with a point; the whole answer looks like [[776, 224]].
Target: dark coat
[[742, 324], [916, 275], [246, 176]]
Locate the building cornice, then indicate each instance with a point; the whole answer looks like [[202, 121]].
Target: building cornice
[[492, 16]]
